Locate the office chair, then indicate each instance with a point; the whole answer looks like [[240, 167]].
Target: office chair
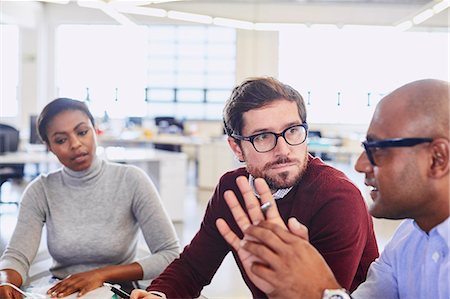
[[9, 142]]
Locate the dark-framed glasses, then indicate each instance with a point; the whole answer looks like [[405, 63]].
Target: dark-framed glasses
[[266, 141], [371, 147]]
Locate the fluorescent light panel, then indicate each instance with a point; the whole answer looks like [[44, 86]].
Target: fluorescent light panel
[[107, 9], [423, 16], [129, 2], [144, 11], [277, 26], [56, 1], [233, 23], [365, 28], [190, 17], [404, 26], [437, 8]]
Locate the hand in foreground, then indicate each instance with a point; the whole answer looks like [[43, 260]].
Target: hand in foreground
[[7, 292], [11, 277], [141, 294], [290, 264], [81, 282], [255, 216]]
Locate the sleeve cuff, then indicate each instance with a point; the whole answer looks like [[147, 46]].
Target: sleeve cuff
[[159, 294]]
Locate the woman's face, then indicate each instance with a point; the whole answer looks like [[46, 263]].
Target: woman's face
[[72, 139]]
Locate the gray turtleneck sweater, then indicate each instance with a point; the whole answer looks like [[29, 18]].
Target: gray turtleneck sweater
[[92, 219]]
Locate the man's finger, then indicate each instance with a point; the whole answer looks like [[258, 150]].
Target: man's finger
[[228, 234], [264, 236], [251, 201], [238, 212], [264, 272], [259, 250], [298, 229], [272, 214], [272, 235]]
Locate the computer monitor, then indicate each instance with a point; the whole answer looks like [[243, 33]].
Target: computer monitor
[[317, 134], [169, 124], [134, 121], [34, 136]]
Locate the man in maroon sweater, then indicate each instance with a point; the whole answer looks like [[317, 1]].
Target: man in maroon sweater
[[258, 113]]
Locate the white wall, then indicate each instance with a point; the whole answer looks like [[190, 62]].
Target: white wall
[[257, 54]]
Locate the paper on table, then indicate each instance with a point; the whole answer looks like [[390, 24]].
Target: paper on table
[[40, 287]]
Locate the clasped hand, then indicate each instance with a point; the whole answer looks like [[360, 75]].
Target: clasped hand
[[254, 216], [276, 258]]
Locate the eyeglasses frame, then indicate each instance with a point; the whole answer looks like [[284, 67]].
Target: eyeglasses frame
[[251, 138], [395, 142]]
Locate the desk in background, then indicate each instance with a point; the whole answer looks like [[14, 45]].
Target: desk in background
[[168, 170], [345, 151], [187, 144], [138, 140]]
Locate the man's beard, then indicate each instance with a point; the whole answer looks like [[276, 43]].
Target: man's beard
[[281, 180]]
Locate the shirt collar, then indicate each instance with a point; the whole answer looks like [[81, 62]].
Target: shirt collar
[[279, 194], [442, 229]]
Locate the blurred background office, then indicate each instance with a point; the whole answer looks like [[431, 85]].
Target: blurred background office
[[156, 75]]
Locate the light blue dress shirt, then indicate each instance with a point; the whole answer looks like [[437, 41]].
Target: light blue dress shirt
[[413, 265]]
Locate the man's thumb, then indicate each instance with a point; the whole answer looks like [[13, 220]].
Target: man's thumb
[[297, 228]]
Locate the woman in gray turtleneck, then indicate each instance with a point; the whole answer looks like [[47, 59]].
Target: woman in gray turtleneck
[[92, 210]]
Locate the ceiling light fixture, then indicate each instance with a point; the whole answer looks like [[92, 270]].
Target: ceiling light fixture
[[143, 11], [438, 7], [140, 2], [190, 17], [423, 16], [238, 24], [366, 28], [56, 1], [129, 2], [107, 9], [403, 26], [278, 26]]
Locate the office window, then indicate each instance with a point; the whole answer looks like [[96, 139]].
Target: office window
[[192, 67], [9, 70], [344, 73], [180, 71]]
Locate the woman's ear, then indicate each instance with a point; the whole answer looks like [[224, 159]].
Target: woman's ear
[[236, 148], [49, 148], [440, 157]]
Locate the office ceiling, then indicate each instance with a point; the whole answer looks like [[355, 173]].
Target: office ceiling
[[387, 2], [308, 12], [339, 12], [312, 1]]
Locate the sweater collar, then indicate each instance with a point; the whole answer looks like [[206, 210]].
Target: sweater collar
[[85, 175], [279, 194]]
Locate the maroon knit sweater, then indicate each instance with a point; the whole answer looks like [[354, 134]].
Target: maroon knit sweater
[[325, 200]]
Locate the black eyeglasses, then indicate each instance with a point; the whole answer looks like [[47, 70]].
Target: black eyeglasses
[[265, 142], [372, 146]]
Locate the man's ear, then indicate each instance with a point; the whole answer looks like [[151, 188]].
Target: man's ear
[[236, 148], [440, 157]]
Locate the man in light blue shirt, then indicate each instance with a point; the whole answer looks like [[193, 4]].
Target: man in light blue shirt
[[407, 164], [414, 264]]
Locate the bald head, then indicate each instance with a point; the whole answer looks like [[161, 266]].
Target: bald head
[[423, 104]]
